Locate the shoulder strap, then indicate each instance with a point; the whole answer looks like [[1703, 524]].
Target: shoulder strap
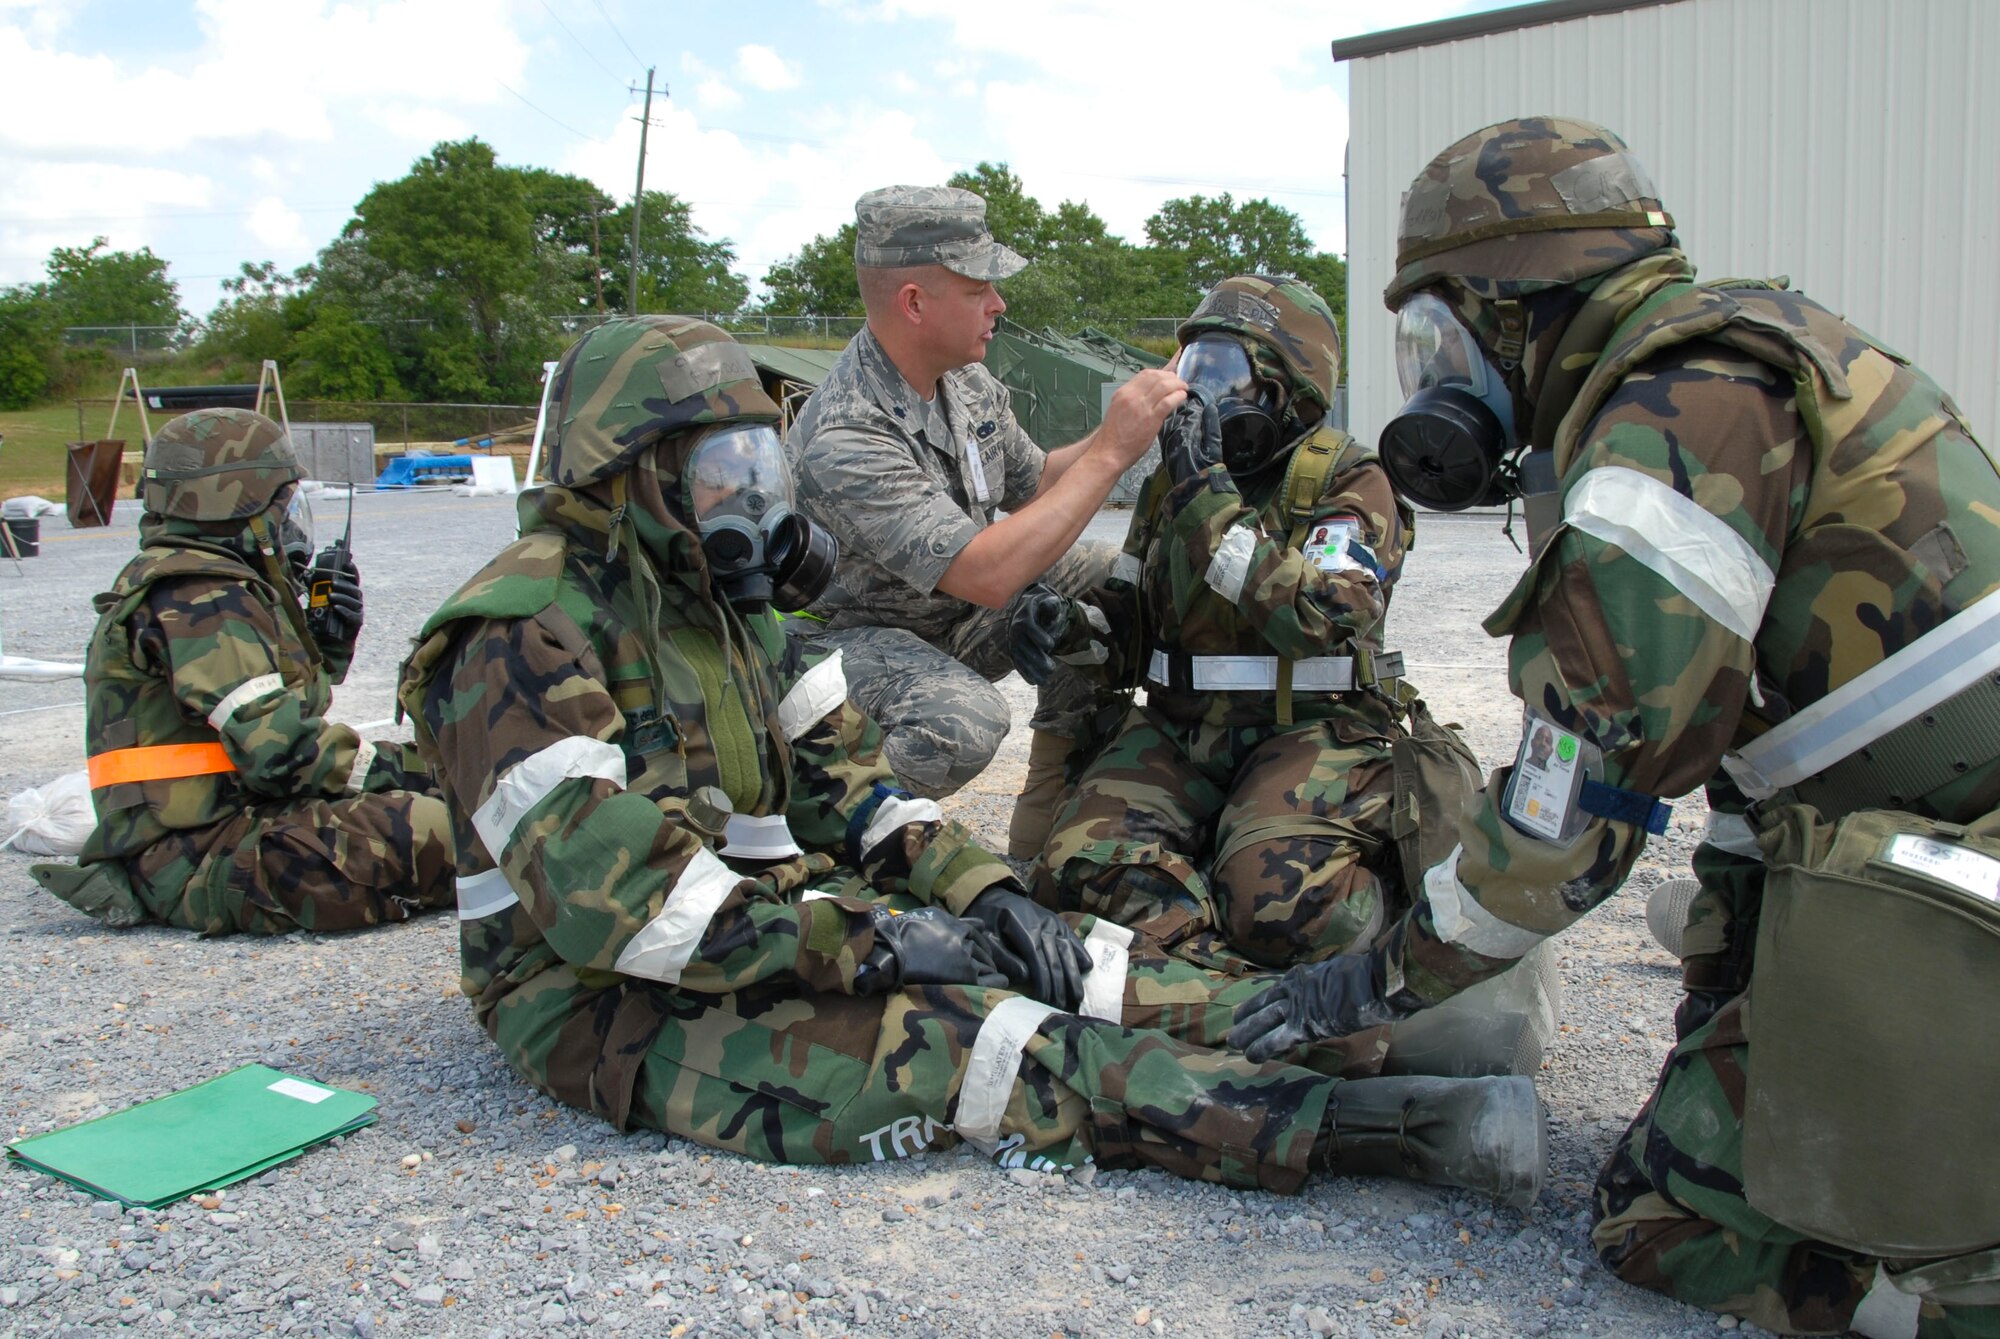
[[1306, 474]]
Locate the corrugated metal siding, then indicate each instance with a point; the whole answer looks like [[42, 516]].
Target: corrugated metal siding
[[1841, 142]]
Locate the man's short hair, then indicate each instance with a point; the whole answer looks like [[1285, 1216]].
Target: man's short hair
[[879, 286]]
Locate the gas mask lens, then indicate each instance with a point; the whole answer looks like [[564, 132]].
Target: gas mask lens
[[739, 471], [1433, 349], [295, 530]]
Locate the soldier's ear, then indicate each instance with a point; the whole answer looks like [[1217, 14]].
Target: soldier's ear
[[910, 301]]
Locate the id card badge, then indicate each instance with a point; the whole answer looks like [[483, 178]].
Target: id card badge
[[1327, 542], [975, 466], [1548, 776]]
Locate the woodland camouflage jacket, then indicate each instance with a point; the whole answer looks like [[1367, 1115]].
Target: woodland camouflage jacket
[[1760, 503], [204, 695], [1220, 574], [593, 791]]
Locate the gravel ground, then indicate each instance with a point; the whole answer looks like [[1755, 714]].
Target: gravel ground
[[477, 1207]]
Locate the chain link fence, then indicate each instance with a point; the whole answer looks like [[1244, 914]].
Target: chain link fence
[[396, 422], [132, 339]]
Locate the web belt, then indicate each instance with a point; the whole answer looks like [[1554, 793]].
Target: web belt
[[1185, 673]]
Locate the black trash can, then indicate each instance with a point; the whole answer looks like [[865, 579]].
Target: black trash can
[[21, 536]]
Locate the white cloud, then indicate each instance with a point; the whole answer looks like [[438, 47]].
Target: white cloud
[[713, 95], [417, 124], [764, 69], [66, 204], [277, 225]]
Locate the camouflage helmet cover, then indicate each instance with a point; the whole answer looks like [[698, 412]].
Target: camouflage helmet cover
[[217, 465], [1284, 321], [624, 385], [1527, 204]]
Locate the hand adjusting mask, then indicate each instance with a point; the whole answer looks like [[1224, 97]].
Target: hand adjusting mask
[[1249, 407], [1446, 448], [760, 552]]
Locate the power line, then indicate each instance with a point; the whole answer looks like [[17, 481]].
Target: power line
[[614, 29], [533, 108], [574, 38]]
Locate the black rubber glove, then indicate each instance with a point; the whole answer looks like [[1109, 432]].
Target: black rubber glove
[[1034, 630], [927, 947], [1041, 955], [1191, 438], [1315, 1002]]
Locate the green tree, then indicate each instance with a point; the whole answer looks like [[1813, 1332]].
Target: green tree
[[576, 224], [446, 263], [258, 316], [339, 357], [818, 280], [680, 269], [93, 285], [30, 347]]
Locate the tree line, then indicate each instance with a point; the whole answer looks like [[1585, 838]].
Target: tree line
[[456, 281]]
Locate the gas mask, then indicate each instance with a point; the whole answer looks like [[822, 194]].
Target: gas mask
[[1250, 408], [1447, 447], [295, 533], [760, 552]]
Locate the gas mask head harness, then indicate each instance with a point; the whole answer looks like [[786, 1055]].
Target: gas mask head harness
[[1250, 407], [760, 551]]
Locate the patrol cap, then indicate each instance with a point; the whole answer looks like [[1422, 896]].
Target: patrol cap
[[898, 226]]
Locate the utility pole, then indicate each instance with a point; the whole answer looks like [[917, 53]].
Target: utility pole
[[639, 195], [597, 260]]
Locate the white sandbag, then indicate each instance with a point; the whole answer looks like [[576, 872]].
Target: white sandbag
[[53, 819]]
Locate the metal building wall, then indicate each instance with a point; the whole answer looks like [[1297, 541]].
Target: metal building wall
[[1841, 142]]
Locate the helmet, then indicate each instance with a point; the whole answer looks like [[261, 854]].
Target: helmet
[[1525, 205], [627, 383], [1286, 321], [217, 465]]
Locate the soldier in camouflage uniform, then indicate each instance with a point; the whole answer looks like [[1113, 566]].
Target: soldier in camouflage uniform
[[908, 452], [696, 900], [1250, 794], [225, 798], [1763, 550]]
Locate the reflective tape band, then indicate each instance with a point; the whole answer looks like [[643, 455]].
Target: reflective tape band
[[1461, 920], [481, 895], [1732, 833], [1230, 567], [1684, 544], [157, 762], [1937, 666], [246, 692], [1255, 674], [528, 782], [662, 949], [1126, 568], [357, 775], [994, 1065], [1109, 946], [818, 691], [750, 837], [896, 812]]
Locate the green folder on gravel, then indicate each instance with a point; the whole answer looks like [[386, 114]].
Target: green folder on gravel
[[213, 1134]]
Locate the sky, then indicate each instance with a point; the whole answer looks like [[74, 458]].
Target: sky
[[219, 132]]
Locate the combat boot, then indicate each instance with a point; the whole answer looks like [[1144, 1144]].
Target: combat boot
[[1485, 1134], [1041, 794]]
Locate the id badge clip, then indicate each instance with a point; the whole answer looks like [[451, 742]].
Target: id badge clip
[[1544, 791]]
